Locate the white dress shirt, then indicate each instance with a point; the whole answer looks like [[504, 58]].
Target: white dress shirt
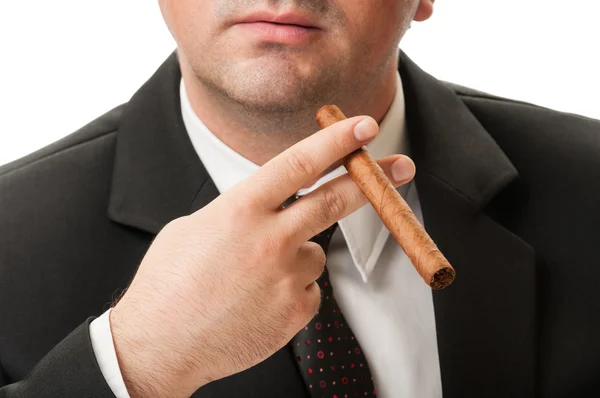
[[384, 300]]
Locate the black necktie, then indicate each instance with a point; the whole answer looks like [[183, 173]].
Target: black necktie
[[327, 352]]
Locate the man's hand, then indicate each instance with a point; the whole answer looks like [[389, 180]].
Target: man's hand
[[224, 288]]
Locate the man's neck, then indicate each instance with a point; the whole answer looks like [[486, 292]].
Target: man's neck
[[259, 136]]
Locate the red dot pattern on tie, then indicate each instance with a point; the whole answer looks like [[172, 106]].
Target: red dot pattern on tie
[[327, 353]]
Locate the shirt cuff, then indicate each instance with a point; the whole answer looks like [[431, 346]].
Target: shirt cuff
[[104, 350]]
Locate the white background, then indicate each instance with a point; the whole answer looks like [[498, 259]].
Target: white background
[[65, 62]]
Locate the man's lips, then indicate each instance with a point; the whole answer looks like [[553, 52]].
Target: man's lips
[[288, 18], [288, 28], [277, 33]]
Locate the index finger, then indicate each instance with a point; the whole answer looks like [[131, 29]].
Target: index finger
[[305, 161]]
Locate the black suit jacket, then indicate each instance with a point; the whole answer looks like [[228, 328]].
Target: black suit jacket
[[509, 191]]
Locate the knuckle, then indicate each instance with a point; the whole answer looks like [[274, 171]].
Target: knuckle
[[260, 189], [335, 204], [320, 259], [314, 259], [249, 205], [317, 256], [301, 164], [235, 216], [305, 222], [283, 237], [318, 270]]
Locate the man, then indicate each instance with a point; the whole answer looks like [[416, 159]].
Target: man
[[232, 298]]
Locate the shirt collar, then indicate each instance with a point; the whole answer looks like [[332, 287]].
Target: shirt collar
[[364, 232]]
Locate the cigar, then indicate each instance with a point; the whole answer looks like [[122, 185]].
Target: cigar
[[395, 213]]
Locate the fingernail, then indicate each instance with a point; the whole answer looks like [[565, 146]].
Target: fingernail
[[366, 129], [402, 169]]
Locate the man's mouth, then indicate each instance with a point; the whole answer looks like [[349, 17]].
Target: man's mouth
[[287, 28]]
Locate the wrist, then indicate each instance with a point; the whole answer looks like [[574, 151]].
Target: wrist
[[142, 365]]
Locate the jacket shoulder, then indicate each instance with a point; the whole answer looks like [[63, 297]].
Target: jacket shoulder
[[102, 126], [470, 92], [478, 100], [557, 154], [522, 126], [70, 177]]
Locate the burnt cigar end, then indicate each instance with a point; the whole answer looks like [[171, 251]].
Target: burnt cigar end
[[442, 278]]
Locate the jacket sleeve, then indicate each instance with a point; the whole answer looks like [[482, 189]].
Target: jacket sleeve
[[69, 370]]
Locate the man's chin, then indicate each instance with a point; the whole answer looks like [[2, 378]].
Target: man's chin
[[277, 93], [273, 83], [275, 104]]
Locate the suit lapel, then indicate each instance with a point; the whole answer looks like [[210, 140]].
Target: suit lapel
[[485, 319], [157, 174]]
